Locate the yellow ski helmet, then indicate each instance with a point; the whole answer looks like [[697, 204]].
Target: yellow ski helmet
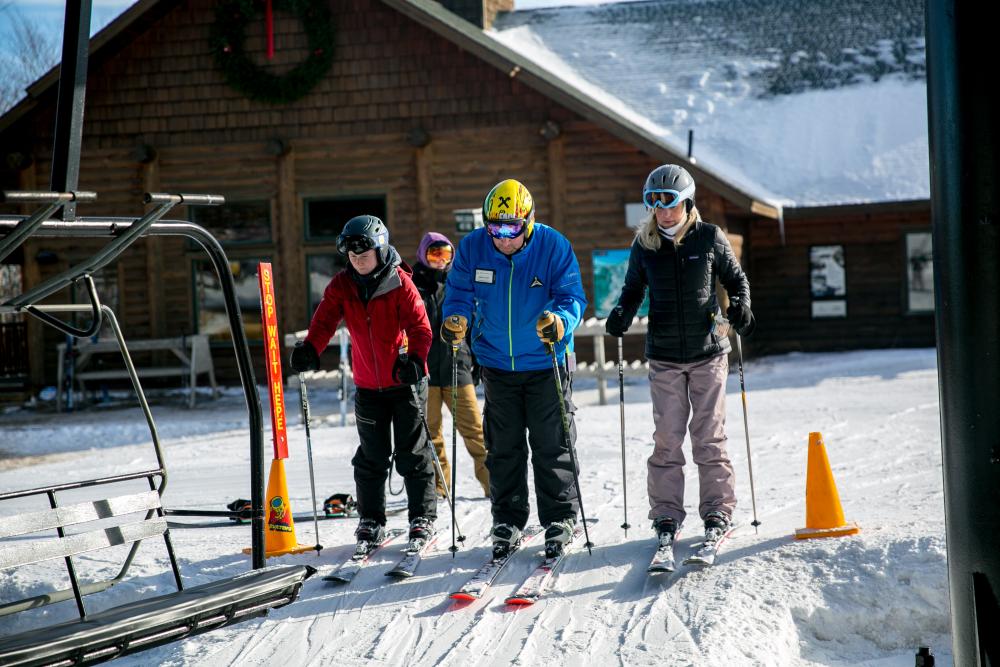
[[509, 204]]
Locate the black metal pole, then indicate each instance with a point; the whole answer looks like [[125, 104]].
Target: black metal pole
[[569, 443], [965, 210], [621, 409], [72, 97]]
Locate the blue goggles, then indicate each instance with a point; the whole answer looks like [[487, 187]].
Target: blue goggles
[[508, 229], [665, 198]]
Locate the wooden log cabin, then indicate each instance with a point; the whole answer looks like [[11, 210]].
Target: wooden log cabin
[[419, 114]]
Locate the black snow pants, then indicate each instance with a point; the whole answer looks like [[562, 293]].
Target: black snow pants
[[519, 401], [375, 411]]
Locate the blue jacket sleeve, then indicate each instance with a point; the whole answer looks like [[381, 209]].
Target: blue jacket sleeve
[[568, 297], [458, 295]]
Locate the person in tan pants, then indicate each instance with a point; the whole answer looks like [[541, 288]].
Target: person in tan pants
[[434, 257]]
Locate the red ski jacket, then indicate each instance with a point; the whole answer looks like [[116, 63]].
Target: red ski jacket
[[377, 329]]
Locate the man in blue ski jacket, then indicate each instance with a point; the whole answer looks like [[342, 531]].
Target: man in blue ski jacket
[[515, 291]]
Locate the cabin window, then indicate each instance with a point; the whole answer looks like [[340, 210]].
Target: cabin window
[[210, 305], [235, 223], [325, 217], [319, 270]]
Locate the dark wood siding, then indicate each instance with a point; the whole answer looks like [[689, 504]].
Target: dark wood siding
[[876, 282]]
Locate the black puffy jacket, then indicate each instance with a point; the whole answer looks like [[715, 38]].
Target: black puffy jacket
[[682, 301], [430, 284]]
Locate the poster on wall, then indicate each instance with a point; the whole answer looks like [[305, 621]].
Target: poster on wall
[[609, 277], [828, 280], [919, 273]]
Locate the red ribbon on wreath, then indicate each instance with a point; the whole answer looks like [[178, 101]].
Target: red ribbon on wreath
[[269, 22]]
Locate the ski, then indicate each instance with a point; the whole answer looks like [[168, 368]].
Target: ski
[[414, 552], [484, 577], [706, 552], [349, 568], [535, 585], [663, 559]]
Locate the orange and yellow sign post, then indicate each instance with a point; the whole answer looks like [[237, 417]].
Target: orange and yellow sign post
[[279, 537]]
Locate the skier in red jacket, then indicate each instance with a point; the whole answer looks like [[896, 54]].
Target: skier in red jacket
[[383, 311]]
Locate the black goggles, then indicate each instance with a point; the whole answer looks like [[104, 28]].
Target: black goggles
[[355, 244]]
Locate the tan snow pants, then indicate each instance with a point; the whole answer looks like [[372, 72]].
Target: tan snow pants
[[696, 390], [470, 425]]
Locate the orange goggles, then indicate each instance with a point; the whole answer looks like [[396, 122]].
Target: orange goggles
[[440, 253]]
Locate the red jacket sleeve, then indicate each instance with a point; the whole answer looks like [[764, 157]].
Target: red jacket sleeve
[[328, 314], [413, 318]]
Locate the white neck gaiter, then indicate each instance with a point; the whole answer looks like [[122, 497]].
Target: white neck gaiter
[[669, 232]]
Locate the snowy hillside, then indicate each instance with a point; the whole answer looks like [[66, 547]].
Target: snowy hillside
[[870, 599]]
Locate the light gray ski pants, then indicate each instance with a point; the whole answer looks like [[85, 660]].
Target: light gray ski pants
[[678, 391]]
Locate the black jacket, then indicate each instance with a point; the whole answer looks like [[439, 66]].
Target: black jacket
[[430, 284], [682, 301]]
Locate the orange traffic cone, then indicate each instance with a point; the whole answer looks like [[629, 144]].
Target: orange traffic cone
[[824, 515], [279, 531]]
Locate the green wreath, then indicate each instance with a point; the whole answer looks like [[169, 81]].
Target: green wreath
[[229, 34]]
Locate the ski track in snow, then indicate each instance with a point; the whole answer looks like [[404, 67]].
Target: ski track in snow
[[769, 600]]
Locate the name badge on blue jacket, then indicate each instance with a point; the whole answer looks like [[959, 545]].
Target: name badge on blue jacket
[[486, 276]]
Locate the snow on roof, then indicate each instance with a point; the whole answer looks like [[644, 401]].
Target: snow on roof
[[817, 103]]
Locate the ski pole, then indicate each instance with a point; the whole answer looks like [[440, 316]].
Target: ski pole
[[746, 427], [621, 402], [454, 441], [437, 462], [304, 400], [569, 443]]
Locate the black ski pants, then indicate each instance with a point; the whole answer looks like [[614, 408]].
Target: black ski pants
[[516, 402], [375, 411]]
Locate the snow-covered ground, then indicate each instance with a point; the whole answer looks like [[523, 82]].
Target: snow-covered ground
[[869, 600]]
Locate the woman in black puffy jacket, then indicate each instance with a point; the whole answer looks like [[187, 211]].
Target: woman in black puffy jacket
[[678, 257]]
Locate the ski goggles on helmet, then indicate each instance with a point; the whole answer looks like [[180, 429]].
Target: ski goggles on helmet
[[506, 229], [356, 244], [665, 198], [439, 253]]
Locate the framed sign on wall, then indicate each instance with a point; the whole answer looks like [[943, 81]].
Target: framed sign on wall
[[919, 273], [828, 280]]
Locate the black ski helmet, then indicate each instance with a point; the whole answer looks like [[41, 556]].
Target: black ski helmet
[[363, 233], [670, 177]]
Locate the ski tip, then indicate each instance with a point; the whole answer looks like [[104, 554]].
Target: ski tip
[[335, 580], [520, 602], [399, 574], [465, 597]]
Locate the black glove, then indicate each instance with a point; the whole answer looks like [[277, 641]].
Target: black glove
[[616, 325], [304, 357], [408, 369], [740, 317], [476, 371]]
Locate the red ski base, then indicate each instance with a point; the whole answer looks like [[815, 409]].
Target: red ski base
[[522, 602], [463, 596]]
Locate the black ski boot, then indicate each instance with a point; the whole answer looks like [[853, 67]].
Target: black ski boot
[[557, 535], [370, 532], [716, 525], [421, 530], [666, 530], [505, 539]]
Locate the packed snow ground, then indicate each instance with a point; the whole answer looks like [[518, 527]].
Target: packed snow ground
[[868, 600]]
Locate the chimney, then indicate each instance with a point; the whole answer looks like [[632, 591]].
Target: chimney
[[479, 13]]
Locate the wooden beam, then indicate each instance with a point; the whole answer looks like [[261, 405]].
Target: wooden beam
[[423, 159], [557, 183], [288, 234], [156, 305]]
